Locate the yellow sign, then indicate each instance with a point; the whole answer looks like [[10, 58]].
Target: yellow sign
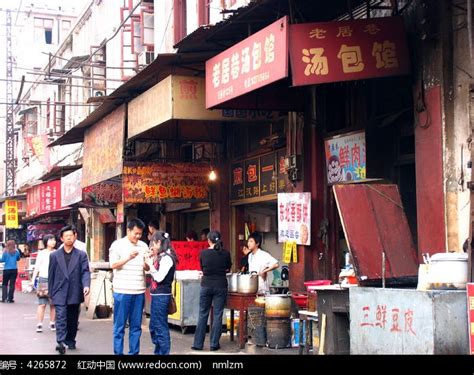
[[11, 214], [290, 252]]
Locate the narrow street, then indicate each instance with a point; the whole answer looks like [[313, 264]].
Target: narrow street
[[18, 326]]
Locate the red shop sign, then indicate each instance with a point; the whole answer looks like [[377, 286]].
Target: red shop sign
[[43, 198], [348, 50], [255, 62]]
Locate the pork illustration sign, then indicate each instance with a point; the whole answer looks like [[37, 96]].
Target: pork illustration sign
[[348, 50], [345, 157], [294, 218], [255, 62]]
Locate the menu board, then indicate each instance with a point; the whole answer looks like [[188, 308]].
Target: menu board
[[259, 176]]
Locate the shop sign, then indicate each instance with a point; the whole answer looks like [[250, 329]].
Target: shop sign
[[255, 62], [106, 193], [43, 198], [470, 315], [38, 231], [258, 177], [346, 157], [294, 218], [103, 148], [106, 216], [165, 182], [348, 50], [181, 98], [71, 191], [11, 214]]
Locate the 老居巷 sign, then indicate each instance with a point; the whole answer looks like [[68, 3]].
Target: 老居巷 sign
[[348, 50]]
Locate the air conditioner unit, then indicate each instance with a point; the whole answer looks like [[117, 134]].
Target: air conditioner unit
[[145, 58]]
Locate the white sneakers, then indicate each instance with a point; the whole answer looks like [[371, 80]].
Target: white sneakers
[[39, 327]]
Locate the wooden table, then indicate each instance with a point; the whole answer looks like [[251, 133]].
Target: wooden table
[[241, 302], [306, 318]]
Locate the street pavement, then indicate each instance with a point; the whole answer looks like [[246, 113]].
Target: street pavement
[[18, 335]]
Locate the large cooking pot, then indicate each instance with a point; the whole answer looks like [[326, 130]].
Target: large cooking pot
[[247, 283], [448, 271], [277, 305], [232, 281]]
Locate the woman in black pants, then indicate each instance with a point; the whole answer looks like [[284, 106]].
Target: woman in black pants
[[10, 256], [215, 262]]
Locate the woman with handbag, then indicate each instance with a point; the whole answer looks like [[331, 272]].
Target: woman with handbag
[[41, 270], [162, 263]]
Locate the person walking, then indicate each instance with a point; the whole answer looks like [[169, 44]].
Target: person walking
[[162, 263], [41, 271], [127, 259], [10, 256], [68, 283], [215, 263]]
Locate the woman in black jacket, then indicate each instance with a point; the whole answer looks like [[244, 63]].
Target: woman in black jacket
[[215, 263]]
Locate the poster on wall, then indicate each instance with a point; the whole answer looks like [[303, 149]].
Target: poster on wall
[[294, 218], [345, 157]]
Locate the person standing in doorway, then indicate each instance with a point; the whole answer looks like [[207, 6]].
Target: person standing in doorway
[[10, 256], [68, 282], [204, 233], [41, 271], [153, 226], [260, 261], [127, 259], [215, 263], [162, 265]]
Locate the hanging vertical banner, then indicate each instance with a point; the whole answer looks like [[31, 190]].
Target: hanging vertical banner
[[11, 214], [71, 191], [120, 212], [348, 50], [470, 315], [294, 218], [346, 157]]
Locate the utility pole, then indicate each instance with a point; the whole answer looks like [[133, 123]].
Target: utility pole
[[10, 162]]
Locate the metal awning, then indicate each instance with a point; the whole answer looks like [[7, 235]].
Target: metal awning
[[75, 62], [160, 68], [26, 110]]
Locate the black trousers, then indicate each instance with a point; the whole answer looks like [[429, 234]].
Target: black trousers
[[67, 317], [9, 278]]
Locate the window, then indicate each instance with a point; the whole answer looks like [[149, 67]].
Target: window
[[203, 12], [179, 13], [44, 30], [65, 26]]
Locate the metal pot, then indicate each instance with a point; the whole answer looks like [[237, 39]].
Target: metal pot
[[247, 283], [232, 281], [448, 271], [277, 305]]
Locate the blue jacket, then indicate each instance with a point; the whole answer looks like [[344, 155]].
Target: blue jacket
[[10, 260], [66, 285]]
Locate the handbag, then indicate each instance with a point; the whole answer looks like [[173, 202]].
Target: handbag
[[42, 290], [172, 308]]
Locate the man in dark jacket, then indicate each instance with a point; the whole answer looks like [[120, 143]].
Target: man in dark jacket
[[68, 283]]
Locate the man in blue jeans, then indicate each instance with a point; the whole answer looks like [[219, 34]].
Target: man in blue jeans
[[127, 259]]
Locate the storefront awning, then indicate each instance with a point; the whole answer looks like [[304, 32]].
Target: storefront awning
[[161, 67], [375, 224]]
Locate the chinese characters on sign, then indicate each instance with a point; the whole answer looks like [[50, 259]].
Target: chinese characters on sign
[[294, 218], [348, 50], [394, 320], [43, 198], [470, 315], [345, 157], [258, 177], [255, 62], [11, 214], [165, 182]]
